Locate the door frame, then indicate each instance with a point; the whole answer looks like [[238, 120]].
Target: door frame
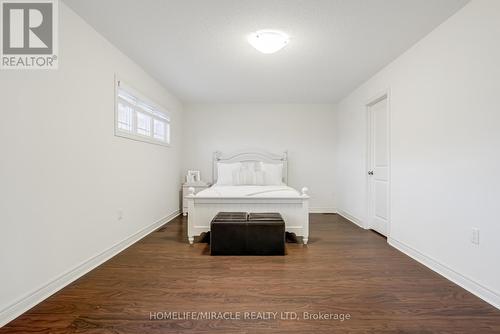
[[385, 94]]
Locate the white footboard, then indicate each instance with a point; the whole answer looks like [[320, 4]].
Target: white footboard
[[294, 210]]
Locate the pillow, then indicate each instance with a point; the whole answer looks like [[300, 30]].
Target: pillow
[[226, 172], [260, 178], [250, 174], [244, 176], [273, 174]]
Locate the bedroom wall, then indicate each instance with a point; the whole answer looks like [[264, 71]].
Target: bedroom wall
[[306, 131], [64, 175], [444, 150]]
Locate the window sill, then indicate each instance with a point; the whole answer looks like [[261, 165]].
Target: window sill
[[140, 138]]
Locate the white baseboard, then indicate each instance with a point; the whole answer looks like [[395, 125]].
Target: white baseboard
[[16, 309], [322, 210], [473, 287], [351, 218]]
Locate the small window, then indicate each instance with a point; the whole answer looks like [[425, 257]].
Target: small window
[[144, 124], [138, 118], [125, 117], [160, 130]]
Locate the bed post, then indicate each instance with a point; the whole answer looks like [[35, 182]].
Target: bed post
[[284, 159], [305, 212], [215, 160], [191, 214]]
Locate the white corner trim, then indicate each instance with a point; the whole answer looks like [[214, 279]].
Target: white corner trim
[[322, 210], [16, 309], [351, 218], [473, 287]]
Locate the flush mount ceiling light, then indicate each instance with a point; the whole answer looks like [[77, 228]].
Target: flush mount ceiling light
[[268, 41]]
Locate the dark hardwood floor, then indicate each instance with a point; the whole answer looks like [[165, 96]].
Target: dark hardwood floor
[[343, 270]]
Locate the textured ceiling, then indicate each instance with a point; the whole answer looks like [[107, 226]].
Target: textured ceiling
[[198, 48]]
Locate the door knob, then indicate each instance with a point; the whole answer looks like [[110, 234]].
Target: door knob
[[370, 172]]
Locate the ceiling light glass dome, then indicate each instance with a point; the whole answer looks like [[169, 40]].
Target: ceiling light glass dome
[[268, 41]]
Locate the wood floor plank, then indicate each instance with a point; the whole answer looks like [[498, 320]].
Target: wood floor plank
[[344, 269]]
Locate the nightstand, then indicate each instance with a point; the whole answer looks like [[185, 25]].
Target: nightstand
[[198, 186]]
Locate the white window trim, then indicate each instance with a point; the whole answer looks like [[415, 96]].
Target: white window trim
[[134, 135]]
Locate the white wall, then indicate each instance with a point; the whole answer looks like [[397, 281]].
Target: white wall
[[64, 174], [445, 148], [306, 131]]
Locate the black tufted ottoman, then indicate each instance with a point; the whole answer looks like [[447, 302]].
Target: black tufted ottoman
[[239, 233]]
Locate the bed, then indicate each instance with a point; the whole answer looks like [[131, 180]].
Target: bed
[[226, 196]]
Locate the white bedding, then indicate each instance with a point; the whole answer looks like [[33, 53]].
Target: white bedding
[[249, 191]]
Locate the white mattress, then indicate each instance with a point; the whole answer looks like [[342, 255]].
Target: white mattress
[[249, 191]]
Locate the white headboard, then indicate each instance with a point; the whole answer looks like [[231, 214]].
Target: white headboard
[[249, 156]]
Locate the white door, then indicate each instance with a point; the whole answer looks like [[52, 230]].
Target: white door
[[378, 172]]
